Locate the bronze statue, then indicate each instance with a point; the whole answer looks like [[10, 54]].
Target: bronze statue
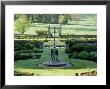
[[54, 54]]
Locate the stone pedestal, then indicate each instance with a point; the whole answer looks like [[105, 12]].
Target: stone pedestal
[[54, 64]]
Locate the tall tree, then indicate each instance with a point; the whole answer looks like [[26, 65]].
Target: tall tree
[[21, 24], [61, 19], [75, 17]]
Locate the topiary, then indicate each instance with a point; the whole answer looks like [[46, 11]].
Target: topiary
[[83, 55], [18, 73], [16, 56], [29, 46], [75, 55], [78, 48], [93, 56]]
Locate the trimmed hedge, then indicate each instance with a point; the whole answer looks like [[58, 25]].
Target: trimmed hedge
[[92, 73], [25, 46], [79, 48], [80, 40], [18, 73], [79, 36], [24, 56], [31, 51], [22, 44], [91, 56]]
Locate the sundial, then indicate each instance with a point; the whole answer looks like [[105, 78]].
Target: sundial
[[54, 62]]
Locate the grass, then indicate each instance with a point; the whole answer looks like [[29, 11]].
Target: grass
[[82, 28], [56, 72], [56, 41], [30, 65]]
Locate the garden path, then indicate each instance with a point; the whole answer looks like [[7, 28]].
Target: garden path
[[46, 55]]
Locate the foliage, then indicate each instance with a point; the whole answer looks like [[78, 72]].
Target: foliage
[[69, 42], [41, 32], [91, 73], [90, 48], [63, 19], [93, 56], [46, 40], [22, 56], [23, 46], [30, 51], [21, 24], [81, 40], [29, 46], [37, 50], [20, 44], [18, 73], [68, 51], [83, 55]]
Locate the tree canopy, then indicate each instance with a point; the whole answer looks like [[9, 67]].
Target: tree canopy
[[21, 24]]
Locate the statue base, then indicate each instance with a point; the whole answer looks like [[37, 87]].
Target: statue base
[[54, 64]]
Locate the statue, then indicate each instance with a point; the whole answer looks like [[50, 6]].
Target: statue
[[54, 51], [59, 30], [54, 54], [49, 34], [55, 62]]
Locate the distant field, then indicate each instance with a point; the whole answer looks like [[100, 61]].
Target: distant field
[[82, 28], [86, 26]]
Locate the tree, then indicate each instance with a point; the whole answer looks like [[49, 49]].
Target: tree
[[61, 19], [21, 24], [75, 17]]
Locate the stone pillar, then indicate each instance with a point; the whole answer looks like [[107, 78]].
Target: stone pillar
[[59, 31], [49, 34]]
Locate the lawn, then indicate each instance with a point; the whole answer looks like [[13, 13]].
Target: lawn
[[78, 66], [57, 41], [81, 28]]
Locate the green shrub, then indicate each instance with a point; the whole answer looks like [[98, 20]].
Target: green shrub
[[26, 51], [16, 56], [78, 48], [19, 47], [46, 40], [70, 42], [70, 55], [93, 56], [37, 50], [83, 55], [41, 32], [90, 48], [31, 51], [29, 46], [18, 73], [62, 40], [38, 55], [75, 55], [68, 51], [22, 56], [20, 44], [26, 56]]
